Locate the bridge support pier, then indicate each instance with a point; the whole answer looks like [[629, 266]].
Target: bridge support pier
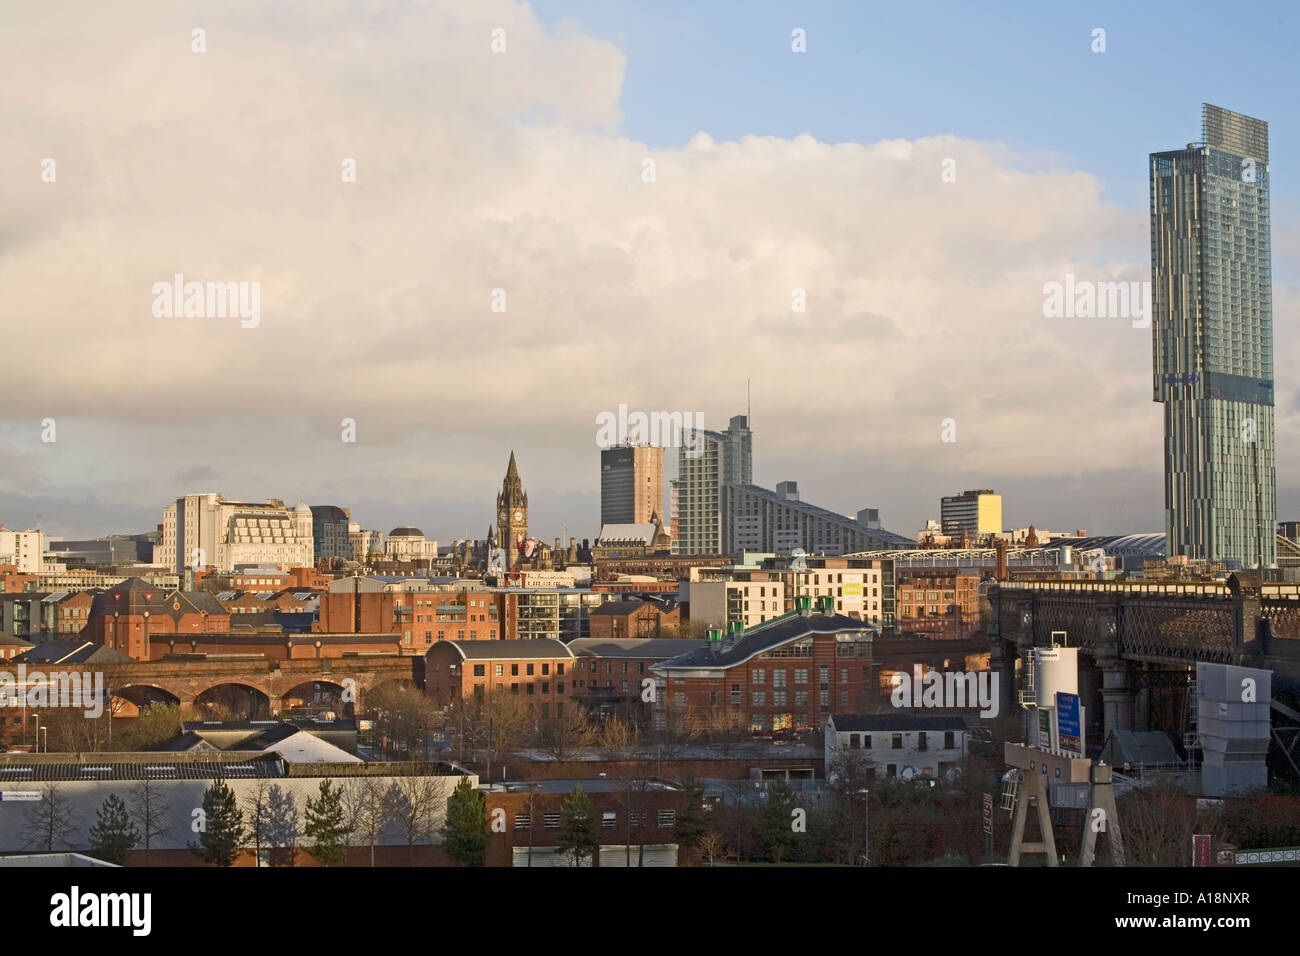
[[1117, 696]]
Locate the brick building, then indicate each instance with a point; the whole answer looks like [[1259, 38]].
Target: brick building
[[128, 616], [609, 672], [539, 672], [636, 617], [942, 603], [786, 674]]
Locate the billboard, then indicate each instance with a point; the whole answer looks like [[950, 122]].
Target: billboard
[[1069, 723]]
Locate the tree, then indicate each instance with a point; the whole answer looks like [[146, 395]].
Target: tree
[[713, 846], [618, 738], [223, 825], [466, 828], [157, 724], [564, 735], [49, 821], [113, 835], [326, 825], [150, 812], [281, 822], [691, 823], [368, 811], [500, 723], [775, 833], [258, 817], [415, 802], [577, 835]]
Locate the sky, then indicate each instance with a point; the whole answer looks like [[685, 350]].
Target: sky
[[916, 176]]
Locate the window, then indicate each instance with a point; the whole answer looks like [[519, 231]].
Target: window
[[758, 699], [801, 698], [546, 689], [897, 744], [844, 698], [625, 667], [500, 669], [735, 693], [546, 669], [478, 670], [531, 689], [801, 675], [866, 741], [514, 670], [758, 676], [778, 698], [920, 740], [514, 688], [679, 698], [625, 687], [844, 675], [530, 670], [778, 677], [559, 689], [949, 741], [855, 742], [559, 669]]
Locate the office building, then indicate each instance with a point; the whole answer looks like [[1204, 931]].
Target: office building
[[329, 533], [631, 484], [975, 513], [1212, 337]]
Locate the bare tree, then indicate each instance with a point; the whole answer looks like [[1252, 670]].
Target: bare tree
[[257, 817], [713, 846], [415, 803], [501, 722], [1158, 822], [368, 811], [566, 734], [49, 821], [149, 811], [618, 739]]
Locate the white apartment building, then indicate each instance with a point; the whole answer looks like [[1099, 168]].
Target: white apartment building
[[409, 544], [22, 548], [209, 531], [723, 603], [856, 590], [902, 744]]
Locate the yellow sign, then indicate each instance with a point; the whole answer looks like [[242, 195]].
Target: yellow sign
[[854, 589]]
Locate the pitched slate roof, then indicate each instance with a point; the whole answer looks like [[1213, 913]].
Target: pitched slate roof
[[897, 721], [662, 648], [536, 648]]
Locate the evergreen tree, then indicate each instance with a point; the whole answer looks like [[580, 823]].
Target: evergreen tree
[[281, 823], [326, 825], [577, 827], [775, 833], [467, 826], [113, 834], [223, 825], [691, 824]]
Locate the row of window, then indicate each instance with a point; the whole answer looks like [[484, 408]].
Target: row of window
[[863, 741], [480, 670], [608, 820]]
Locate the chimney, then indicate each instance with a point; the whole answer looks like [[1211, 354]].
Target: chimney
[[1001, 546]]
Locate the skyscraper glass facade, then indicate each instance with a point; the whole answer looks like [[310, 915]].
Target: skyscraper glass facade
[[1212, 336]]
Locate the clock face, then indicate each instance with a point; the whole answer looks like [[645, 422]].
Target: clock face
[[519, 515]]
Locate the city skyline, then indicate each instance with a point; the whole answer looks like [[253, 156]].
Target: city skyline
[[543, 197]]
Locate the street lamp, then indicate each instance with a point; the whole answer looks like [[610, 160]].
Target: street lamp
[[866, 826]]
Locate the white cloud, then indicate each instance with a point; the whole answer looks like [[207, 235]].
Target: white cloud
[[478, 171]]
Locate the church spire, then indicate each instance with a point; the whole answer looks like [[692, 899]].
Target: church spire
[[512, 473]]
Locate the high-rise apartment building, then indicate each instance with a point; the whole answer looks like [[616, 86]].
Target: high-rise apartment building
[[976, 513], [716, 461], [631, 484], [329, 532], [1212, 337]]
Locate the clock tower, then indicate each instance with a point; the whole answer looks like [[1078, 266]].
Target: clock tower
[[512, 514]]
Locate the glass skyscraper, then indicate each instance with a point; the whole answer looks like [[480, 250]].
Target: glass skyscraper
[[1212, 337]]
